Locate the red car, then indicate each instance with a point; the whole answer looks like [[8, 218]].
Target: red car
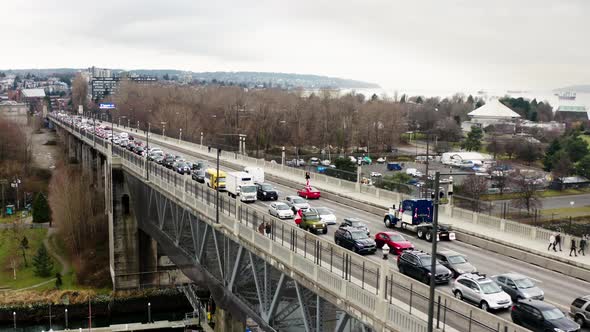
[[308, 192], [395, 241]]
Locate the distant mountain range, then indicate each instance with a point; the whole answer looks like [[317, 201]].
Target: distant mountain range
[[284, 80], [575, 88]]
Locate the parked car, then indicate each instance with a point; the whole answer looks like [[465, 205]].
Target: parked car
[[539, 316], [417, 264], [311, 221], [376, 174], [355, 240], [296, 203], [326, 162], [380, 160], [413, 172], [266, 192], [395, 241], [355, 223], [314, 161], [394, 167], [326, 214], [455, 262], [519, 287], [280, 210], [181, 167], [198, 175], [309, 192], [479, 289], [580, 310]]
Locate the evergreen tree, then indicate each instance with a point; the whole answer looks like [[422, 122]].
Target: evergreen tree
[[42, 263], [473, 140], [583, 167], [41, 210], [575, 147], [549, 159]]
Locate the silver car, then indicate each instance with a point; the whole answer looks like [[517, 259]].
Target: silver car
[[519, 287], [482, 291], [296, 203], [280, 210], [325, 214]]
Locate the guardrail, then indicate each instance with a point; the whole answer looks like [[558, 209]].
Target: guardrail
[[345, 274]]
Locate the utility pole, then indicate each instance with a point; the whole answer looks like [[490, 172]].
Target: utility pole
[[433, 256], [217, 188]]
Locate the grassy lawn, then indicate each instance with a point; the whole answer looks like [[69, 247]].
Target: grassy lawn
[[7, 219], [544, 193], [570, 212], [24, 275]]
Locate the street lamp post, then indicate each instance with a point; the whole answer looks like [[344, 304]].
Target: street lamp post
[[14, 319], [129, 123], [66, 311], [201, 138], [15, 184], [163, 129], [180, 136], [149, 312], [217, 188]]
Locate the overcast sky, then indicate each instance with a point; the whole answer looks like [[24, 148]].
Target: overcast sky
[[434, 44]]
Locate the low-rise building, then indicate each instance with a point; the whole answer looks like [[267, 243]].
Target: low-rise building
[[14, 107], [570, 113]]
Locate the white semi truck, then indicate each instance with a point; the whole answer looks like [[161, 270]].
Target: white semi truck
[[240, 184]]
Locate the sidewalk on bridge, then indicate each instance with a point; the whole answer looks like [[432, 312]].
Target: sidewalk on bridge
[[533, 246]]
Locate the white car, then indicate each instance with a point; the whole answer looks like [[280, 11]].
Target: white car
[[326, 162], [376, 174], [296, 203], [314, 161], [124, 135], [381, 160], [280, 210], [325, 214], [482, 291]]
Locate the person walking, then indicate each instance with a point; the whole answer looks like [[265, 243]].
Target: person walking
[[558, 240], [573, 247], [267, 229], [551, 242], [261, 228], [583, 243]]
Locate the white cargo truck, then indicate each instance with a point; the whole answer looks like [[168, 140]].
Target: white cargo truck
[[256, 173], [240, 184]]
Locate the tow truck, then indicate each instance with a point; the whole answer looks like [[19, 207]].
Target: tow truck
[[415, 215]]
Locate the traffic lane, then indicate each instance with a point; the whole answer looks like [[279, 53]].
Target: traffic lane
[[486, 262]]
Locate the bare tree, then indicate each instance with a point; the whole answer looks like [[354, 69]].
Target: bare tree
[[79, 92], [527, 189], [474, 186]]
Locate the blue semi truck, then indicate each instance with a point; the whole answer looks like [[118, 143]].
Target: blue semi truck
[[415, 215]]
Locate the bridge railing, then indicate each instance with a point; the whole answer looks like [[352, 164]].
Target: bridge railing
[[359, 280]]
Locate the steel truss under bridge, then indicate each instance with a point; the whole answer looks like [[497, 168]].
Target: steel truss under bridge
[[239, 280]]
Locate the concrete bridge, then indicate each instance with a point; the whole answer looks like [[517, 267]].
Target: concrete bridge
[[290, 281]]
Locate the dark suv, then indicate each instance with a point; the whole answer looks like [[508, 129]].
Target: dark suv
[[265, 192], [541, 316], [417, 264], [580, 310], [355, 223], [355, 240]]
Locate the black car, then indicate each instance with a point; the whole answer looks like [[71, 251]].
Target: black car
[[168, 162], [417, 264], [265, 192], [140, 150], [355, 223], [199, 165], [198, 175], [541, 316], [181, 167], [355, 240]]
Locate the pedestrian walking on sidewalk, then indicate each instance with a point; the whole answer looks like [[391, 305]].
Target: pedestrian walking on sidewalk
[[551, 242], [267, 229], [583, 243], [573, 247], [261, 228], [558, 240]]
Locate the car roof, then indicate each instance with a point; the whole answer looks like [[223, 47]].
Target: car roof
[[352, 219], [513, 275], [541, 305], [389, 233], [447, 252]]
